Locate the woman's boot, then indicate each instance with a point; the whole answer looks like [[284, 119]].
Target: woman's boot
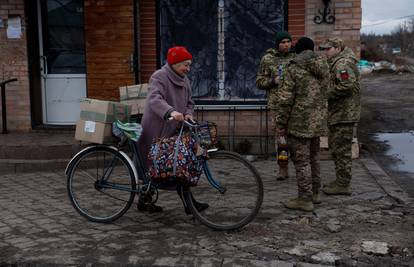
[[145, 204], [199, 206]]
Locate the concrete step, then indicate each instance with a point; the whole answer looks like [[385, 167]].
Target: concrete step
[[37, 151], [22, 165]]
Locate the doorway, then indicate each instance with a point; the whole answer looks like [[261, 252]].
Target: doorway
[[62, 59]]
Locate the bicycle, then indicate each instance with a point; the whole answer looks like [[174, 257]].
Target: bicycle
[[102, 181]]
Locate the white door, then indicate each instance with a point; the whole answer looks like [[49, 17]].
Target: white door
[[62, 59]]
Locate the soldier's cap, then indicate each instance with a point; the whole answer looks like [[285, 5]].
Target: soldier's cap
[[332, 42]]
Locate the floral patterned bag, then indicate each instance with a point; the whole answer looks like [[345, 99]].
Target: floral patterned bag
[[175, 157]]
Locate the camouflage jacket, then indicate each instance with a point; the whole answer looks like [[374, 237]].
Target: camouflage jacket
[[343, 96], [269, 68], [300, 103]]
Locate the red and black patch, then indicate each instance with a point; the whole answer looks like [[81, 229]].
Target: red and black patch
[[344, 75]]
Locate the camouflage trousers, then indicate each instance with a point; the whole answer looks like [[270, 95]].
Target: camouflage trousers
[[305, 156], [340, 144]]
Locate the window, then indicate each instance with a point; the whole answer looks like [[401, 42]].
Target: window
[[227, 39], [64, 36]]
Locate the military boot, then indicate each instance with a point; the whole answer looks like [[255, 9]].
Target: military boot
[[316, 198], [337, 189], [299, 204]]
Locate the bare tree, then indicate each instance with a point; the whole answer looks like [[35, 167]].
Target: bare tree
[[379, 47], [403, 36]]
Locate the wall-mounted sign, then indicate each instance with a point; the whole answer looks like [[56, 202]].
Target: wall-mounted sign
[[14, 27]]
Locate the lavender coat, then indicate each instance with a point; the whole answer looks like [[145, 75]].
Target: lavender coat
[[167, 91]]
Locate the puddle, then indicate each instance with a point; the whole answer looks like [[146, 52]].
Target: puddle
[[401, 146]]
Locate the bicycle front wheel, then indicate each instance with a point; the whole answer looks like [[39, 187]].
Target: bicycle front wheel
[[101, 184], [231, 187]]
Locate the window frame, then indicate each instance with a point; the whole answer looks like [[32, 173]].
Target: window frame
[[206, 102]]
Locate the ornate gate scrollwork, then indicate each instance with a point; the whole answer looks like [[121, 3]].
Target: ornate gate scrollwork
[[325, 15]]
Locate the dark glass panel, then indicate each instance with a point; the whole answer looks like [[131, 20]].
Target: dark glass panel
[[64, 44]]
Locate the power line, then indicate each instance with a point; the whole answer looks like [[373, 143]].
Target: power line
[[380, 23]]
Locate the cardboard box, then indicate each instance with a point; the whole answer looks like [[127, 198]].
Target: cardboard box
[[134, 96], [137, 91], [94, 132], [96, 117], [136, 105], [103, 111]]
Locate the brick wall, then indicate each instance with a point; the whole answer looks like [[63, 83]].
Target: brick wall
[[244, 122], [109, 38], [14, 64], [108, 22], [300, 23], [296, 18], [148, 39], [348, 15], [236, 126]]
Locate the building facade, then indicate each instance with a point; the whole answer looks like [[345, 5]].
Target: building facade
[[61, 51]]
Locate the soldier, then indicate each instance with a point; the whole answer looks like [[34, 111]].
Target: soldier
[[268, 76], [343, 111], [299, 107]]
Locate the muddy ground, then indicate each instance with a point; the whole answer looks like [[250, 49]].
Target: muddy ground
[[387, 107]]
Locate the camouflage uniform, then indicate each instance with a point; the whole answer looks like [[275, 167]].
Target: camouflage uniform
[[271, 66], [299, 105], [343, 109], [305, 155]]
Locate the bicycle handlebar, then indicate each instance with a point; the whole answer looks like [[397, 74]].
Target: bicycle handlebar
[[190, 124]]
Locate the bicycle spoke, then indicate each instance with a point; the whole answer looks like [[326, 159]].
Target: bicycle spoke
[[86, 173], [111, 196], [101, 198], [239, 201]]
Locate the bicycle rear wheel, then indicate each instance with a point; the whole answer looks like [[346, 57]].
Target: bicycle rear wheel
[[101, 184], [233, 189]]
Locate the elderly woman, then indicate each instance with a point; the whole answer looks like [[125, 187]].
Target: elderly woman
[[169, 95]]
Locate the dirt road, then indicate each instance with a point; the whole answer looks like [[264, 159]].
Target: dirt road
[[387, 107]]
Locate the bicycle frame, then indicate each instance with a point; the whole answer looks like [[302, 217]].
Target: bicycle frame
[[103, 180], [211, 180], [135, 163], [138, 169]]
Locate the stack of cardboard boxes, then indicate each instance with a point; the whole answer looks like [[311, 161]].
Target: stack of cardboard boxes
[[96, 116]]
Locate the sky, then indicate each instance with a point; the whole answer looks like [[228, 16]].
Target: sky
[[385, 13]]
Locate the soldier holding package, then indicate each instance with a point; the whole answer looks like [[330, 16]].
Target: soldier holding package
[[299, 107], [268, 78], [343, 111]]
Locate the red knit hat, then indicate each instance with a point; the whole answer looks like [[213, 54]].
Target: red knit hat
[[178, 54]]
